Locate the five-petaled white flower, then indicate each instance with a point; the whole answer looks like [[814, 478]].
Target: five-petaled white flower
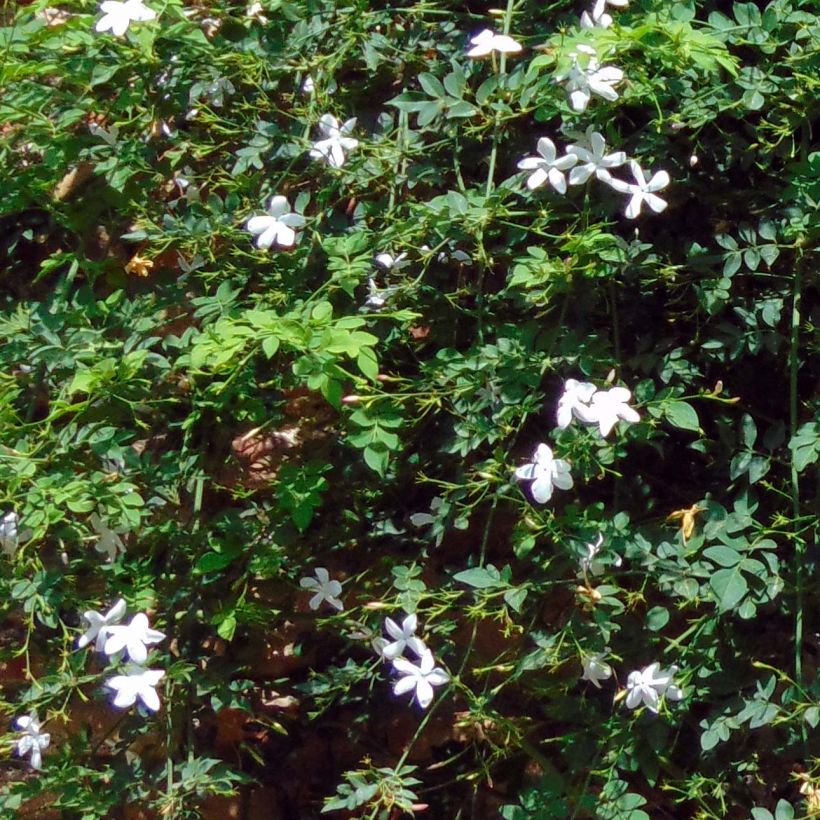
[[586, 77], [326, 590], [117, 16], [576, 395], [548, 166], [336, 140], [33, 740], [607, 408], [389, 262], [642, 191], [135, 638], [109, 543], [98, 625], [488, 41], [276, 227], [9, 535], [647, 685], [545, 472], [139, 684], [403, 636], [593, 159], [595, 669], [421, 678]]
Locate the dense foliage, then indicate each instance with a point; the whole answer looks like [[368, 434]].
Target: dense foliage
[[281, 421]]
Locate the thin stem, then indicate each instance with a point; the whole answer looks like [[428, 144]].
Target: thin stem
[[800, 543]]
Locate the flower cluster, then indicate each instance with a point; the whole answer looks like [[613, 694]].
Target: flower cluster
[[419, 678], [131, 640], [585, 402], [645, 686]]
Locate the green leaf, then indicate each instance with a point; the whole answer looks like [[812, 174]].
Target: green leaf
[[480, 577], [432, 85], [682, 415], [729, 587], [724, 556]]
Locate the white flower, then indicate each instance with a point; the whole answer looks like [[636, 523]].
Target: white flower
[[332, 148], [588, 21], [98, 625], [598, 17], [9, 535], [277, 226], [117, 16], [488, 41], [593, 159], [647, 685], [595, 669], [138, 684], [607, 407], [255, 12], [135, 638], [642, 191], [591, 565], [586, 77], [308, 86], [389, 262], [326, 590], [576, 394], [109, 543], [33, 740], [547, 166], [403, 636], [377, 297], [421, 678], [545, 472]]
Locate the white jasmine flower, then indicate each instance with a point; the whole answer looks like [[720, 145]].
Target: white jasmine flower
[[548, 166], [109, 543], [591, 565], [488, 41], [336, 140], [98, 625], [9, 534], [586, 77], [255, 12], [595, 669], [117, 16], [326, 590], [593, 159], [588, 21], [138, 684], [545, 472], [576, 394], [277, 226], [607, 408], [391, 263], [404, 637], [421, 678], [647, 685], [135, 638], [32, 740], [642, 191]]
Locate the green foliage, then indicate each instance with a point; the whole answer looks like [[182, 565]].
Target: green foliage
[[241, 417]]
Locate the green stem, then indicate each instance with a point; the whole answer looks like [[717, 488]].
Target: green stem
[[800, 543]]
